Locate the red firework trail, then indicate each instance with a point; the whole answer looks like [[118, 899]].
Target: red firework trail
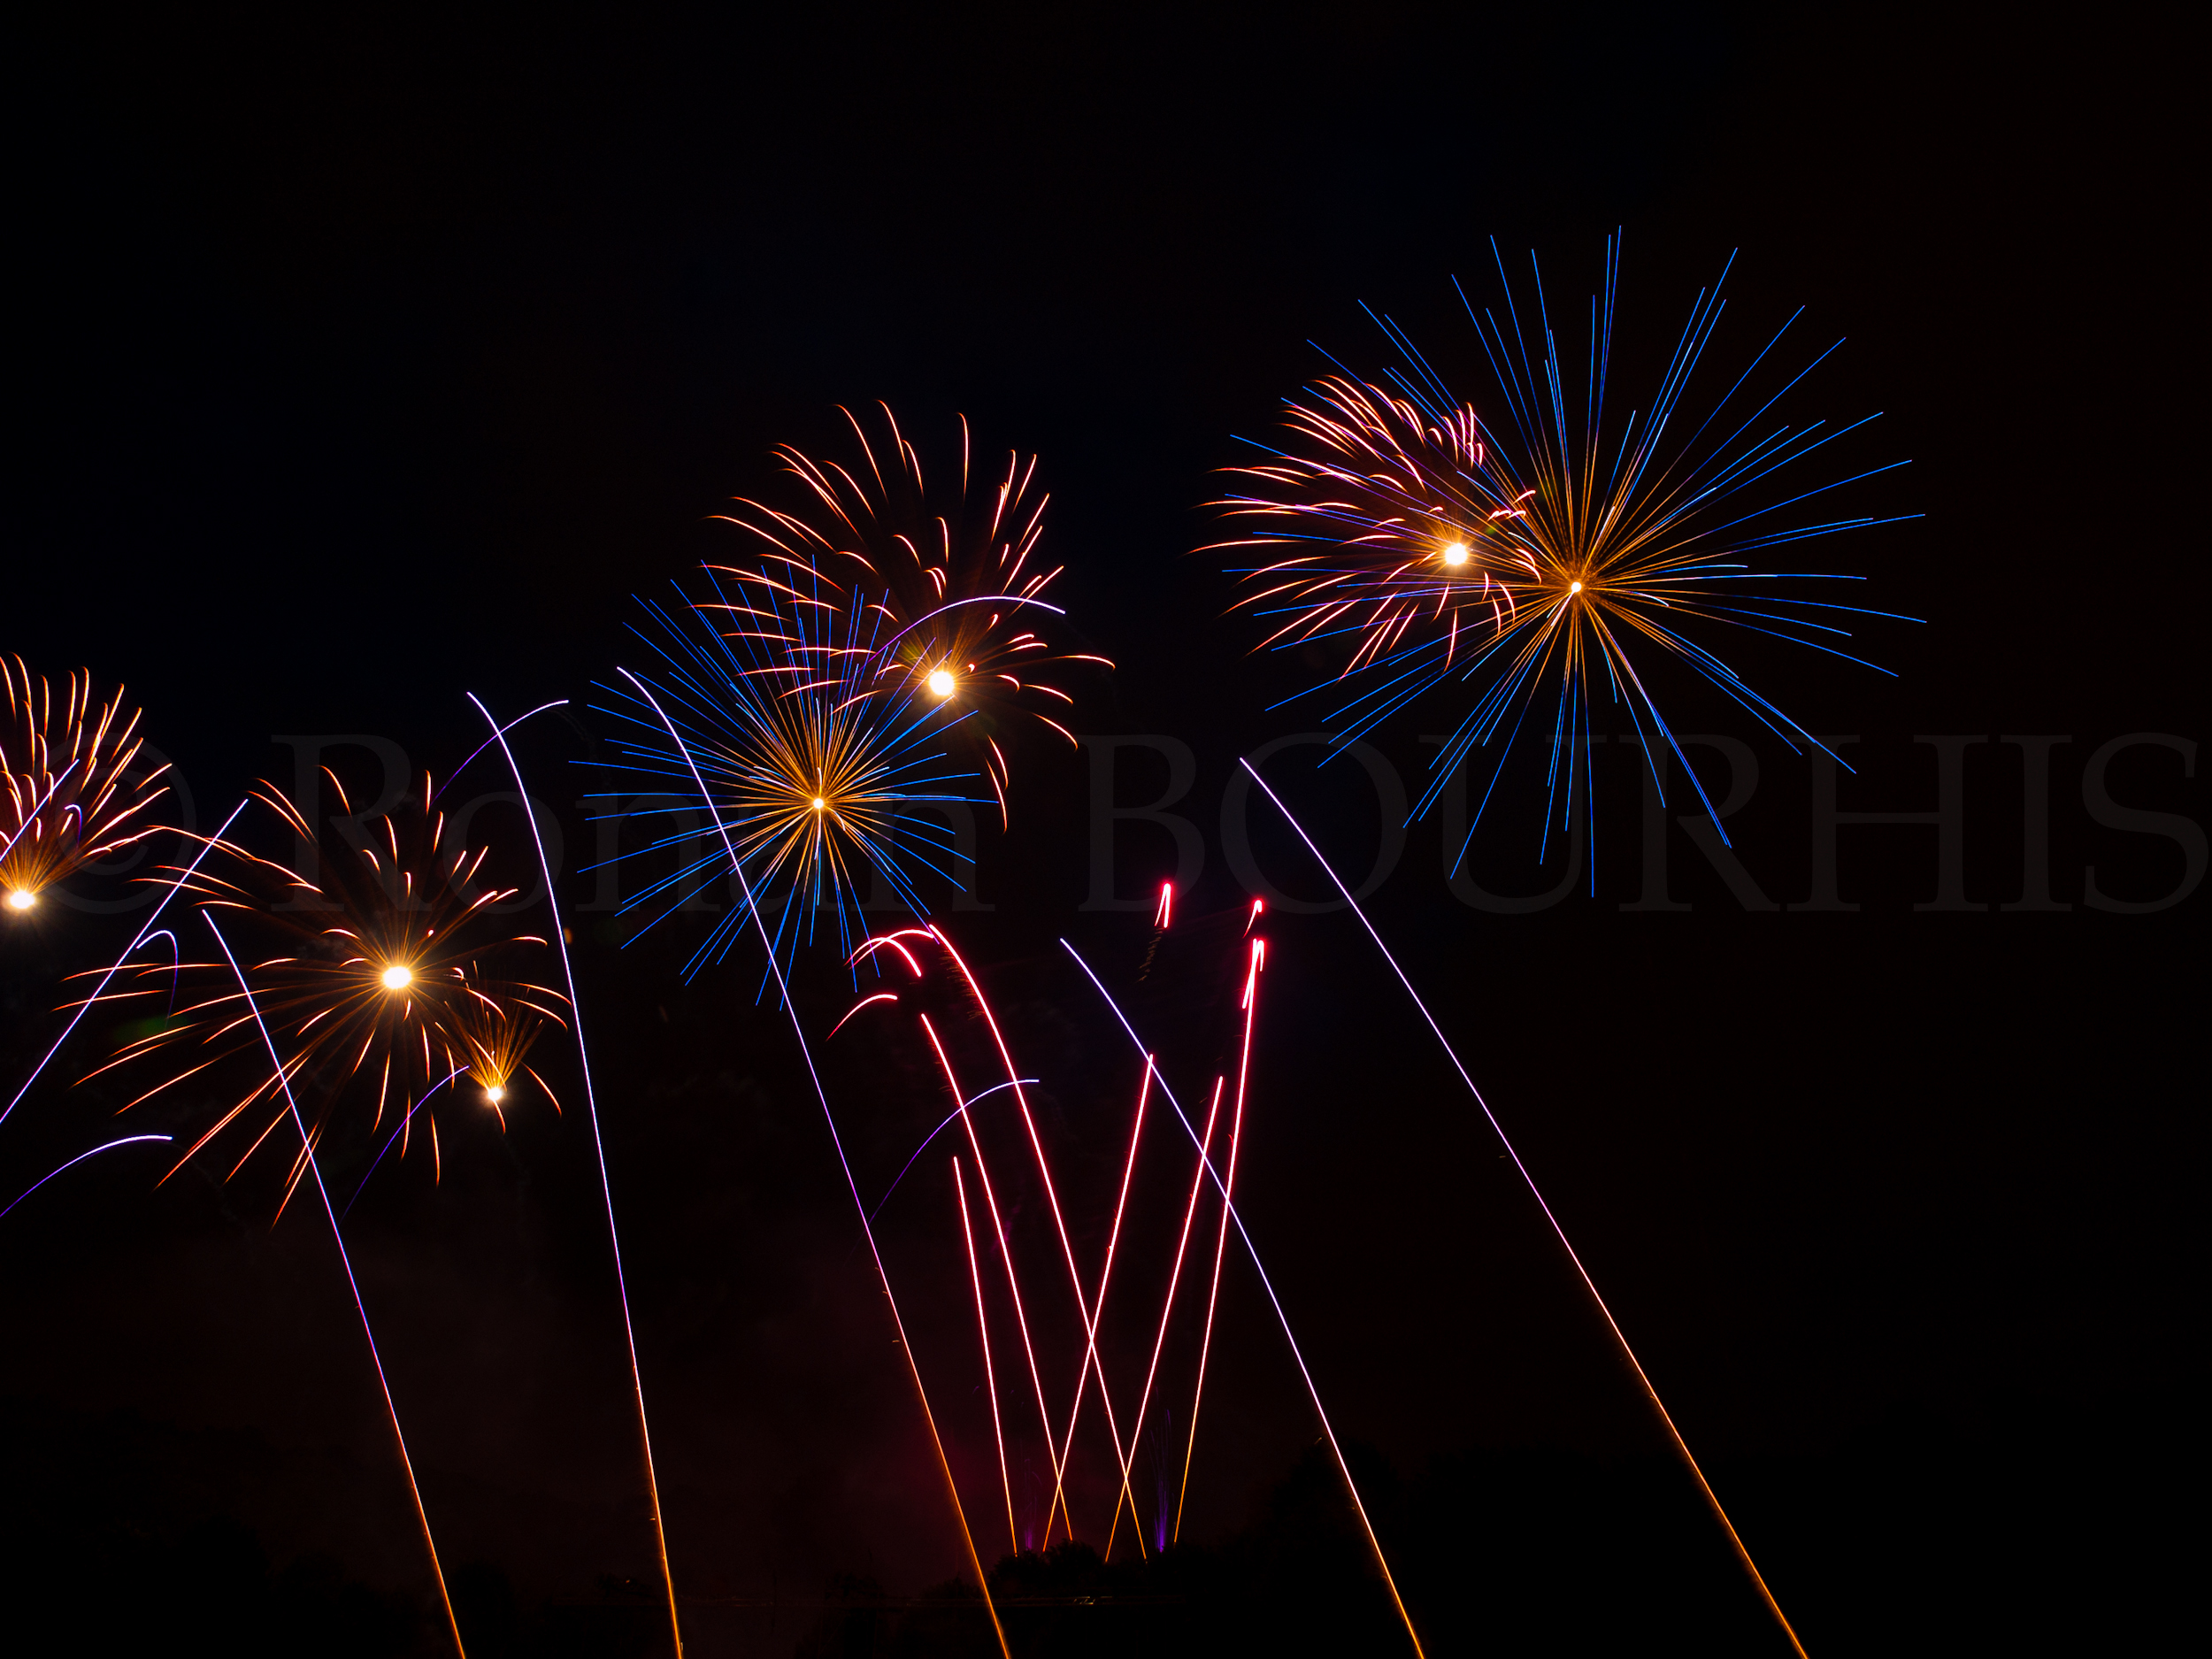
[[1059, 1220], [998, 1230], [990, 1377], [1167, 1306], [1098, 1311], [867, 1229], [1228, 1192], [1059, 1442], [1313, 1391]]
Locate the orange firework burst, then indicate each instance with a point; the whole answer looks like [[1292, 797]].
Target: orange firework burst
[[363, 961], [75, 791], [1539, 555], [954, 574]]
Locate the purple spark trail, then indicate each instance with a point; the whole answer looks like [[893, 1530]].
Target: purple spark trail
[[599, 1149], [1680, 1445], [307, 1150]]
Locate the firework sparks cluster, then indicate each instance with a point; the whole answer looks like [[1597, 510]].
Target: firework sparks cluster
[[1060, 1310], [953, 577], [368, 963], [1535, 553], [814, 724], [76, 791], [824, 702]]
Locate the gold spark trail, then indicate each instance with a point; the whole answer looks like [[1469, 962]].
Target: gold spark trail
[[1681, 1447]]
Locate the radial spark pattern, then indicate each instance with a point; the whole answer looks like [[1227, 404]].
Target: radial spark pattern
[[765, 741], [76, 790], [378, 970], [955, 573], [1526, 549]]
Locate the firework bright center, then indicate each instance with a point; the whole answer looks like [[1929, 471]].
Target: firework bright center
[[1574, 587], [495, 1093], [941, 683], [820, 803], [21, 899], [399, 977], [1456, 554]]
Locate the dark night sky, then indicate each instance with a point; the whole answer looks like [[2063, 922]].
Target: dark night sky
[[359, 365]]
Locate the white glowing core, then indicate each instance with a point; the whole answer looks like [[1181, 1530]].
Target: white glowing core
[[495, 1093], [21, 899], [941, 683], [399, 977], [1574, 587], [1456, 554]]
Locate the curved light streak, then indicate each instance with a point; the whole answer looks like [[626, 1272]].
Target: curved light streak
[[31, 817], [395, 1135], [931, 1136], [1313, 1392], [1221, 1241], [990, 1376], [599, 1150], [1743, 1555], [79, 1158], [144, 933], [979, 599], [880, 996], [852, 1185], [498, 732], [307, 1152]]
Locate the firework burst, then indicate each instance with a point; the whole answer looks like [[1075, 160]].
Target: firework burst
[[770, 714], [371, 962], [1534, 552], [75, 789], [954, 574]]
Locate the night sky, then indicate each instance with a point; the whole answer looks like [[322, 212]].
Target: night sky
[[359, 365]]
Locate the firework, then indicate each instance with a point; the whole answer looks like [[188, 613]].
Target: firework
[[954, 574], [771, 715], [1681, 1446], [148, 931], [750, 910], [374, 967], [126, 1141], [1209, 1170], [1167, 1304], [1251, 1005], [499, 1057], [283, 1079], [369, 960], [983, 1330], [1216, 1148], [1534, 552], [76, 790]]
